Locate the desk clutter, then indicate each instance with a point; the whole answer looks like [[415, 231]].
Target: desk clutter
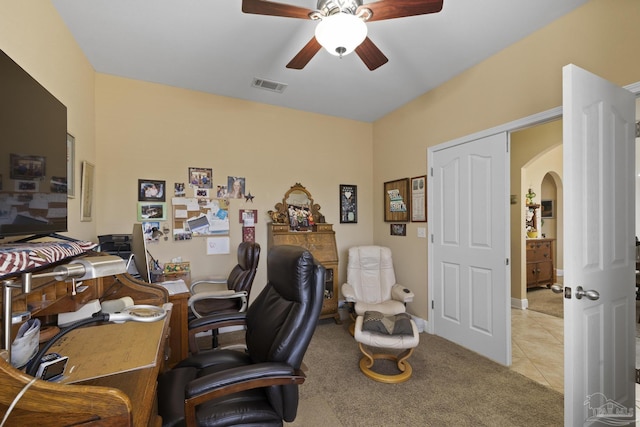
[[104, 391]]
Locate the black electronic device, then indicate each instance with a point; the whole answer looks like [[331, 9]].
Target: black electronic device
[[52, 366], [33, 149]]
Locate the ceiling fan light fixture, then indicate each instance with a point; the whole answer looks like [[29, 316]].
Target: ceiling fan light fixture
[[341, 33]]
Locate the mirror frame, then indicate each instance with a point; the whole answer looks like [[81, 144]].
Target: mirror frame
[[281, 213]]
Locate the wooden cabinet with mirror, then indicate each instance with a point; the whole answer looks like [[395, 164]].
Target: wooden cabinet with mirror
[[298, 221]]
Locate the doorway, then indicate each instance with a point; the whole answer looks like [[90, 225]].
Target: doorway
[[548, 333]]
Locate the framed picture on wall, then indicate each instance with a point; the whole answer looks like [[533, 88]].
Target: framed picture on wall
[[86, 191], [419, 199], [71, 166], [396, 200], [546, 206], [348, 204], [398, 229], [151, 190]]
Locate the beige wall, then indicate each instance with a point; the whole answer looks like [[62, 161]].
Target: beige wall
[[151, 131], [133, 119], [521, 80]]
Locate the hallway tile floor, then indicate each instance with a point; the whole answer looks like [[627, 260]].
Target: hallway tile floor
[[537, 347]]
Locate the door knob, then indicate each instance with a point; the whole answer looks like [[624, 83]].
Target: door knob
[[556, 289], [592, 295]]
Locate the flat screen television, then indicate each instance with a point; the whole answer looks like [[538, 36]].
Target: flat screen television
[[33, 155]]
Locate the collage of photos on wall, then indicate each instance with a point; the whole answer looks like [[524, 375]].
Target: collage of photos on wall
[[198, 207]]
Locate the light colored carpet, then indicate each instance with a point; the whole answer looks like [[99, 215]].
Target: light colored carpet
[[450, 386], [544, 300]]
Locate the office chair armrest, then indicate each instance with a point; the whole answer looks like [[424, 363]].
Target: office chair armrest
[[243, 378], [348, 292], [226, 294], [234, 380], [213, 322], [399, 293], [208, 285]]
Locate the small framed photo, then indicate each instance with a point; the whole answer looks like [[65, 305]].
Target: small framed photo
[[152, 211], [179, 190], [86, 191], [27, 167], [201, 177], [546, 206], [201, 193], [398, 229], [348, 204], [419, 199], [151, 191], [397, 203], [71, 166]]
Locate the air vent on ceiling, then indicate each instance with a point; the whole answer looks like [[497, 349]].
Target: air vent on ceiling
[[268, 85]]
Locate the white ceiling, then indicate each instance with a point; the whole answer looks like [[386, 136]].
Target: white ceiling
[[211, 46]]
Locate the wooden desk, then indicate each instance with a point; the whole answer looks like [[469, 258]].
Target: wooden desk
[[140, 384], [179, 336], [122, 399]]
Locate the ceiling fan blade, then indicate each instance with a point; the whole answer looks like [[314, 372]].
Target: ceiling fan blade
[[304, 56], [371, 55], [263, 7], [389, 9]]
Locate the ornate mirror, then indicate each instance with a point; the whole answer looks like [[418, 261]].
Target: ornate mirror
[[297, 209]]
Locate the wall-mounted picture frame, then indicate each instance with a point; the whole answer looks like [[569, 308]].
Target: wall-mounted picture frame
[[27, 167], [150, 211], [398, 229], [547, 208], [397, 202], [348, 204], [419, 199], [201, 177], [86, 191], [150, 190], [71, 166]]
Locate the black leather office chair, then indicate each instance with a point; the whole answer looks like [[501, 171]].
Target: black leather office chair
[[259, 386], [231, 293]]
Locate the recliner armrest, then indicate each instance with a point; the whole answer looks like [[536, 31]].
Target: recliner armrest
[[348, 292], [398, 293]]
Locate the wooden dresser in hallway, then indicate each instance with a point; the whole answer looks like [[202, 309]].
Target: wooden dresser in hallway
[[540, 270]]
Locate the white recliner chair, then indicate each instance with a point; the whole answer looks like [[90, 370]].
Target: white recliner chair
[[377, 306], [371, 282]]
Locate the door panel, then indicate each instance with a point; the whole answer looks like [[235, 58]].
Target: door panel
[[599, 201], [469, 246]]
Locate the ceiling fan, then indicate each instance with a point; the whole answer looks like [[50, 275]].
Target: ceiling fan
[[342, 27]]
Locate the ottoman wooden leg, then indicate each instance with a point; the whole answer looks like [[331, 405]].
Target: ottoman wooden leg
[[367, 361]]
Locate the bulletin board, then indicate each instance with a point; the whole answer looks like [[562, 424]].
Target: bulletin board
[[199, 217]]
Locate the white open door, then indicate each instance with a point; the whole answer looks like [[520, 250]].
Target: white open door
[[469, 246], [599, 250]]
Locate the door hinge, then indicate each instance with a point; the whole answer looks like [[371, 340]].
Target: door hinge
[[432, 172], [507, 261], [432, 238], [433, 306]]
